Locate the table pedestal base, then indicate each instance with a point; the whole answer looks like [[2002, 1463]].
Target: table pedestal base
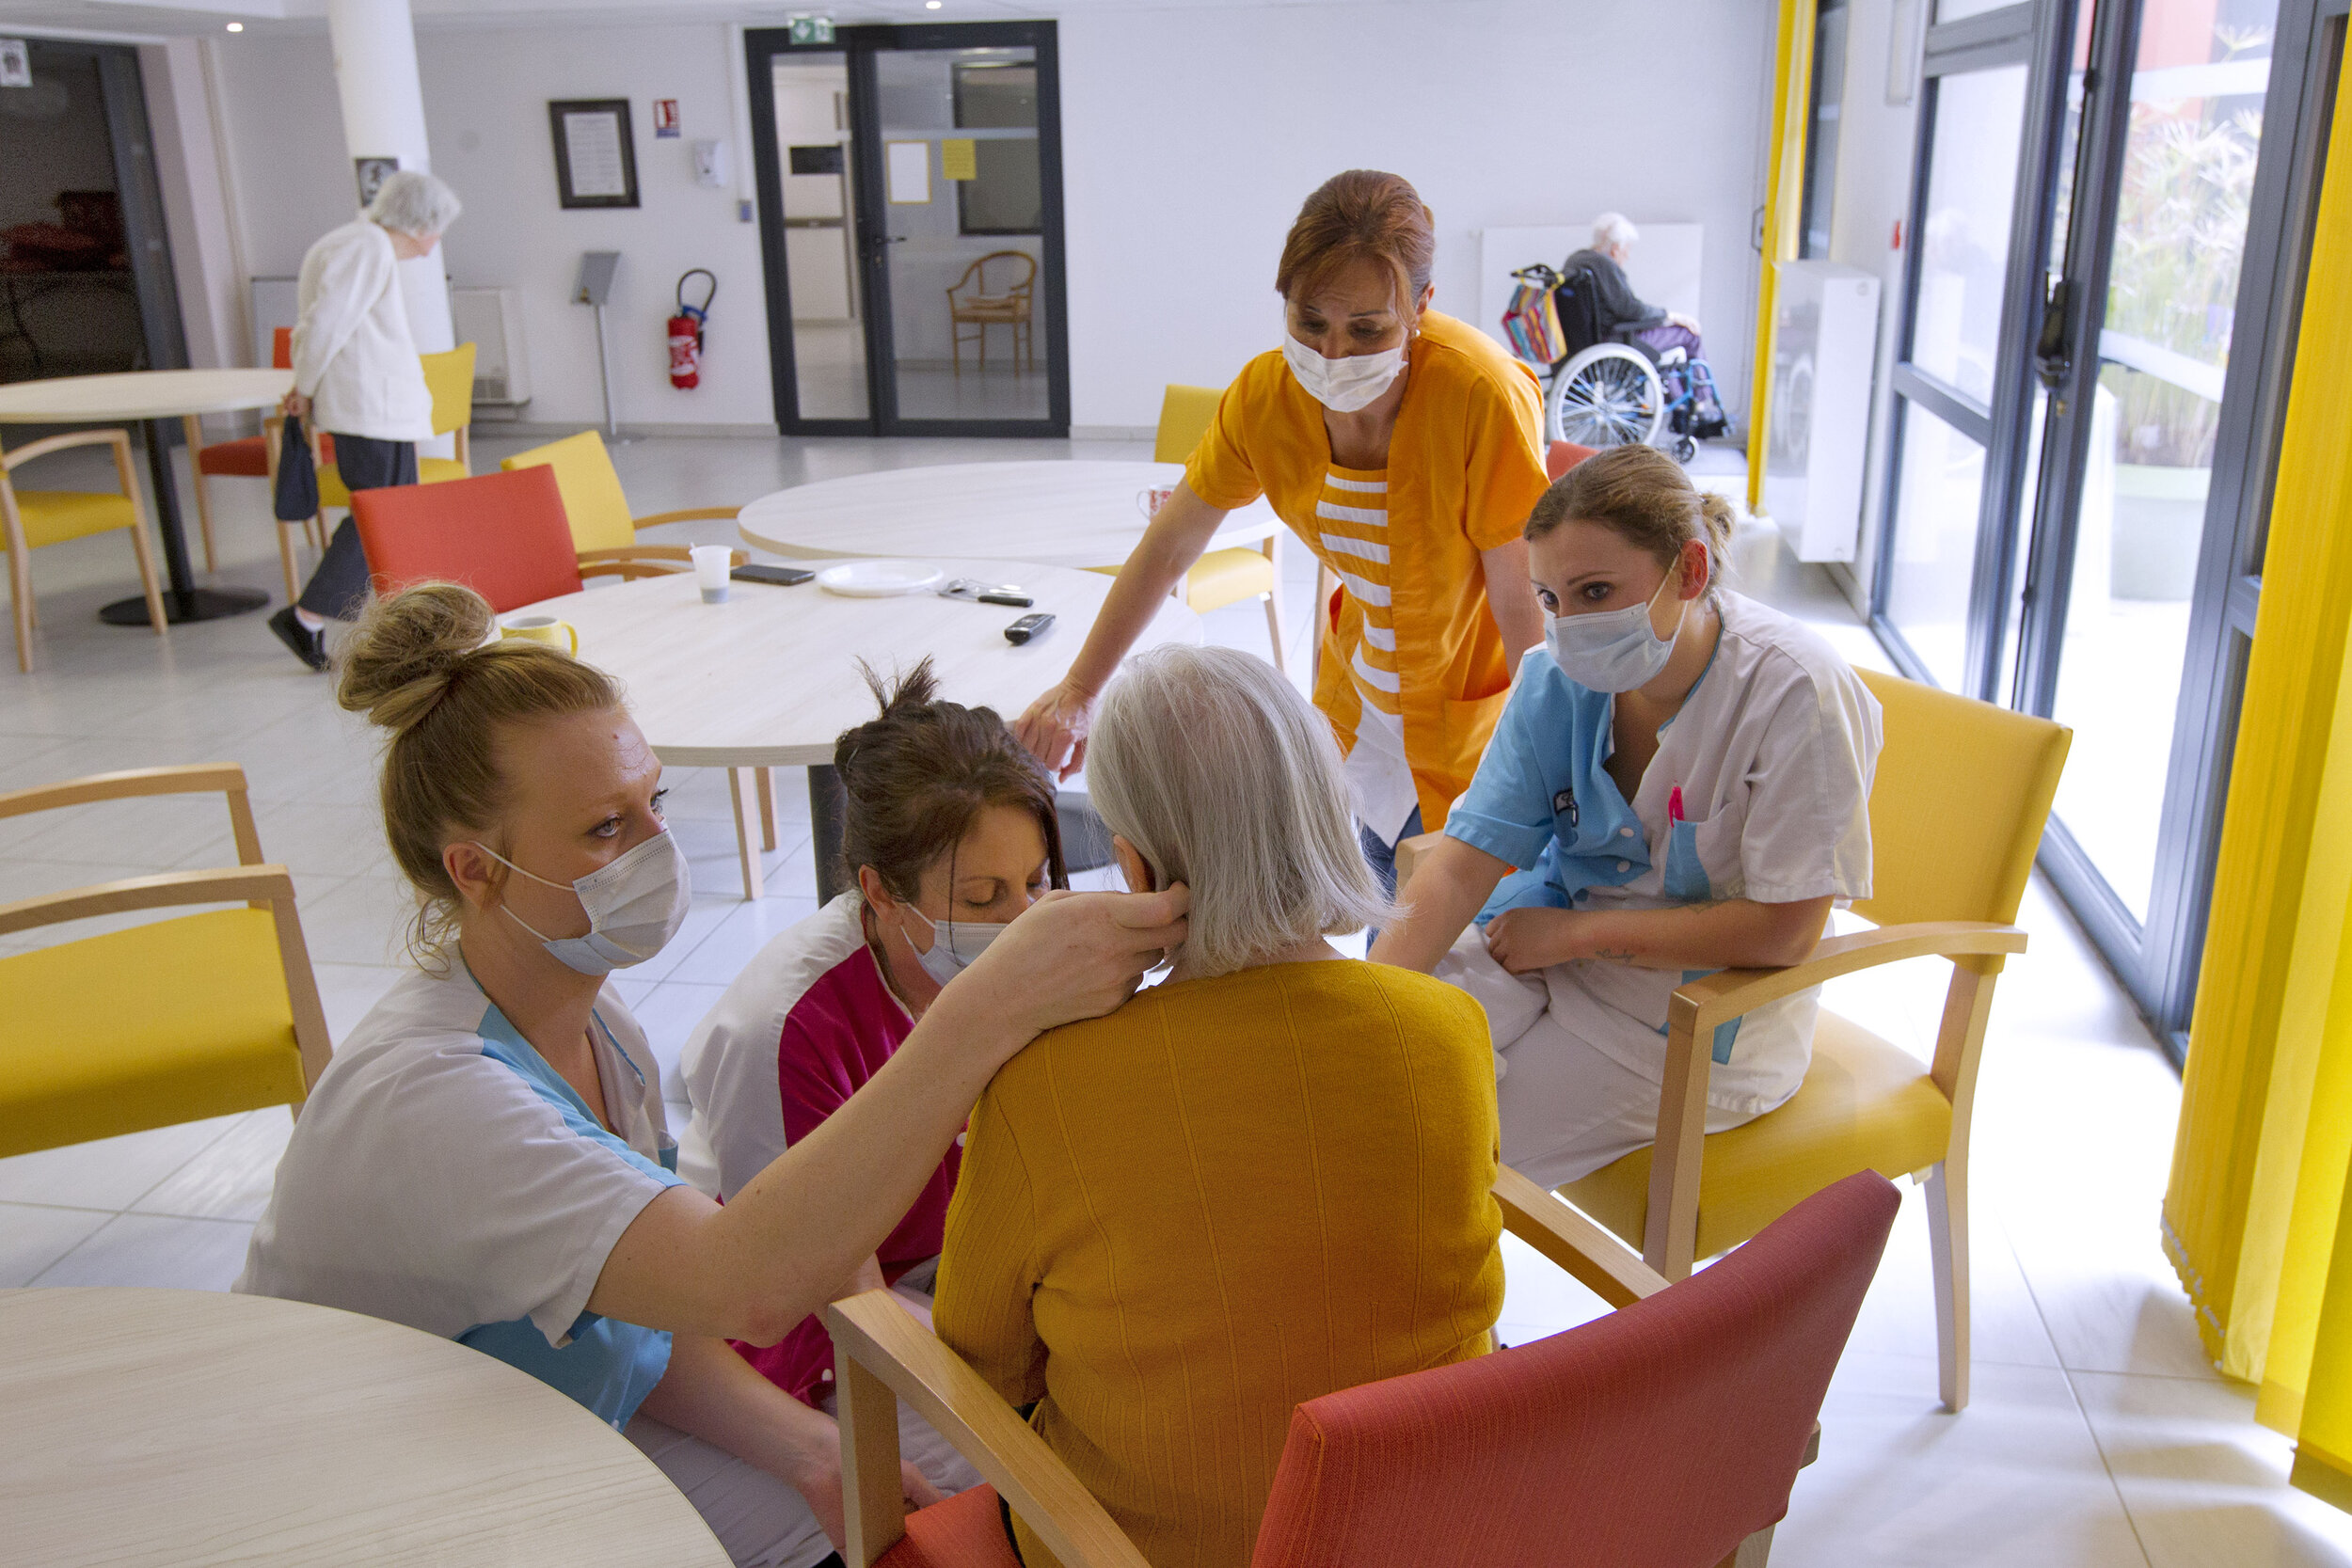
[[182, 605], [828, 802]]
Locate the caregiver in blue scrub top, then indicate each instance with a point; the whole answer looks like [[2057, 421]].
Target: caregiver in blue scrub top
[[485, 1158], [1679, 783]]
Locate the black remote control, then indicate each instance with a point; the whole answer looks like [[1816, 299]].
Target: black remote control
[[1028, 627]]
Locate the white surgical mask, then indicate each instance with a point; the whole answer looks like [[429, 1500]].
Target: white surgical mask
[[636, 902], [954, 944], [1612, 650], [1342, 385]]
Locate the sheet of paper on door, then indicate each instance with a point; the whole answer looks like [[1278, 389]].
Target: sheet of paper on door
[[907, 172], [593, 141], [960, 159]]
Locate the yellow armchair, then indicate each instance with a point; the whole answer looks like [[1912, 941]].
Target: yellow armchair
[[173, 1020], [603, 530], [1219, 577], [1957, 808], [449, 376], [31, 518]]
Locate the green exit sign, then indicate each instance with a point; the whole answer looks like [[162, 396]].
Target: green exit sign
[[811, 29]]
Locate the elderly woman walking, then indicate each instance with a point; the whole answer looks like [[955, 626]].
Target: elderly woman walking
[[1265, 1179], [358, 377]]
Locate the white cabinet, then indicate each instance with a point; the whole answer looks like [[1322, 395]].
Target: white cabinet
[[1825, 321]]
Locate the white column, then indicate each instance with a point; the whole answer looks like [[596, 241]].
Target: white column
[[375, 73]]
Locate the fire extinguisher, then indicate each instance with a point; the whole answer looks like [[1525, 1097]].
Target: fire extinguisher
[[686, 332]]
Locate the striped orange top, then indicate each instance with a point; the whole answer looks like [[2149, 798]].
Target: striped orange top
[[1176, 1222]]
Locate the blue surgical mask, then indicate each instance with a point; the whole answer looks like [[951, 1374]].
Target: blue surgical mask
[[1613, 650], [955, 943]]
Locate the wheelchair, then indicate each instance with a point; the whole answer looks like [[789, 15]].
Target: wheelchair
[[1602, 392]]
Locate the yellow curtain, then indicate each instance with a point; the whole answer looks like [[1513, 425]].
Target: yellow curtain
[[1784, 212], [2255, 1219]]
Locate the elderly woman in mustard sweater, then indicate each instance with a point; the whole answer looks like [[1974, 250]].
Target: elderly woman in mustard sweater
[[1264, 1180]]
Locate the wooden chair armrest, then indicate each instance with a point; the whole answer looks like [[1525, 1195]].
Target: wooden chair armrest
[[48, 444], [1729, 993], [201, 778], [692, 514], [1408, 854], [1591, 1254], [877, 1342], [228, 884], [1698, 1008]]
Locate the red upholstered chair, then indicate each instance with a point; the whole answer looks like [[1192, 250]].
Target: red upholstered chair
[[1562, 455], [1667, 1435], [503, 535]]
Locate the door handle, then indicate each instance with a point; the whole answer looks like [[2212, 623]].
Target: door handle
[[2051, 361]]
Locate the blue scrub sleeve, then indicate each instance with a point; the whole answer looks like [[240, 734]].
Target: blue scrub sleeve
[[1508, 811]]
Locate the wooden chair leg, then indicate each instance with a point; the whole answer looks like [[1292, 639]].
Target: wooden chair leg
[[286, 560], [147, 585], [1273, 548], [870, 1496], [764, 781], [755, 881], [195, 430], [1948, 1244], [1753, 1551], [21, 607]]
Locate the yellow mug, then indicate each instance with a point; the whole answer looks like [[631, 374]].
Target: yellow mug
[[542, 628]]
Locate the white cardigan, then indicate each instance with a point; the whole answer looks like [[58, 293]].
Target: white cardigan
[[353, 355]]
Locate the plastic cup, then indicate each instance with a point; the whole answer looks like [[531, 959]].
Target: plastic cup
[[711, 564]]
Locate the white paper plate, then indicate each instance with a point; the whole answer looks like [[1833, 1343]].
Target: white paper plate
[[878, 579]]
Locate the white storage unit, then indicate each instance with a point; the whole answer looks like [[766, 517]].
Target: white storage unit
[[1825, 320], [492, 321]]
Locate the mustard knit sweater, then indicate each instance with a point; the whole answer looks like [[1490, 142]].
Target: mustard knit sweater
[[1176, 1222]]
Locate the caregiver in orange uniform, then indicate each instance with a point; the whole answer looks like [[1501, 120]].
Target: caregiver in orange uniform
[[1403, 447]]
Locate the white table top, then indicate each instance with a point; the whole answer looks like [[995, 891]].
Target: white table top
[[1061, 514], [141, 395], [770, 678], [190, 1427]]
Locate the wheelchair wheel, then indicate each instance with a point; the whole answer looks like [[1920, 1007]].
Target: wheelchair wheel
[[1685, 449], [1607, 396]]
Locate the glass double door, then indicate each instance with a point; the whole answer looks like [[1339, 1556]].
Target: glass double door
[[911, 220], [2078, 467]]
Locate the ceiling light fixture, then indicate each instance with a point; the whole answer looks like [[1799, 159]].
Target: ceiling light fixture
[[931, 5], [237, 27]]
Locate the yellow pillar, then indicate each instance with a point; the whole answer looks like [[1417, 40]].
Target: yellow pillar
[[1784, 214]]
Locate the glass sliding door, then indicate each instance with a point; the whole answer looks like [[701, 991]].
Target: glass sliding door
[[910, 209], [1962, 382]]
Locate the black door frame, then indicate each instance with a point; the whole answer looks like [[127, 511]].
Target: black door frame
[[859, 45]]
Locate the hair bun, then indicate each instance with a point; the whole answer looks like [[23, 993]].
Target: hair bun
[[406, 649]]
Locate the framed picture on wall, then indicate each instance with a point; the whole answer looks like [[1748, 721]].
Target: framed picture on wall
[[596, 157], [370, 173]]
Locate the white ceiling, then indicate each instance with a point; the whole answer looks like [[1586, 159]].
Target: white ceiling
[[262, 18]]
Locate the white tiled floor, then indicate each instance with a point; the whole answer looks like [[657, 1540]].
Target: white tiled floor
[[2098, 1435]]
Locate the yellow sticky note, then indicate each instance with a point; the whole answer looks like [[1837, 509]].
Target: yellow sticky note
[[960, 160]]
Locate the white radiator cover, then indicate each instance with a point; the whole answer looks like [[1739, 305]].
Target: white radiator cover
[[492, 321], [1825, 320]]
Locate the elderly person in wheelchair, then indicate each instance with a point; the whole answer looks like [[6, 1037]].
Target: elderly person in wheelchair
[[1671, 341]]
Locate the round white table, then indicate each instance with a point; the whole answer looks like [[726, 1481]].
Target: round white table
[[151, 398], [769, 679], [189, 1427], [1061, 514]]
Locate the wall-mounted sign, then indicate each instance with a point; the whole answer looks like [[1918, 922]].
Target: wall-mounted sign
[[371, 174], [809, 29], [596, 155], [665, 116], [960, 159], [16, 64]]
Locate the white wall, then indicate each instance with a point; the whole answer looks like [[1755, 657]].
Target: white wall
[[485, 98], [1192, 136], [1189, 138]]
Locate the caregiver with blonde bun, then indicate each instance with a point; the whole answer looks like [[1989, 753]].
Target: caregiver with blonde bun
[[1403, 446]]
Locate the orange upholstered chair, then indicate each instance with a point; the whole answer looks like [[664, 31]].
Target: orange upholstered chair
[[253, 457], [1562, 455], [503, 535], [1667, 1435]]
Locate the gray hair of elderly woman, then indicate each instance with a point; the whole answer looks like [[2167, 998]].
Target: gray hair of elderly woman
[[415, 204], [1213, 766]]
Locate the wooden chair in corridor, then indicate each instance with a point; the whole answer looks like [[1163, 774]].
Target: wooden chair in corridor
[[195, 1016], [1666, 1434], [970, 302], [1957, 808], [32, 518]]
